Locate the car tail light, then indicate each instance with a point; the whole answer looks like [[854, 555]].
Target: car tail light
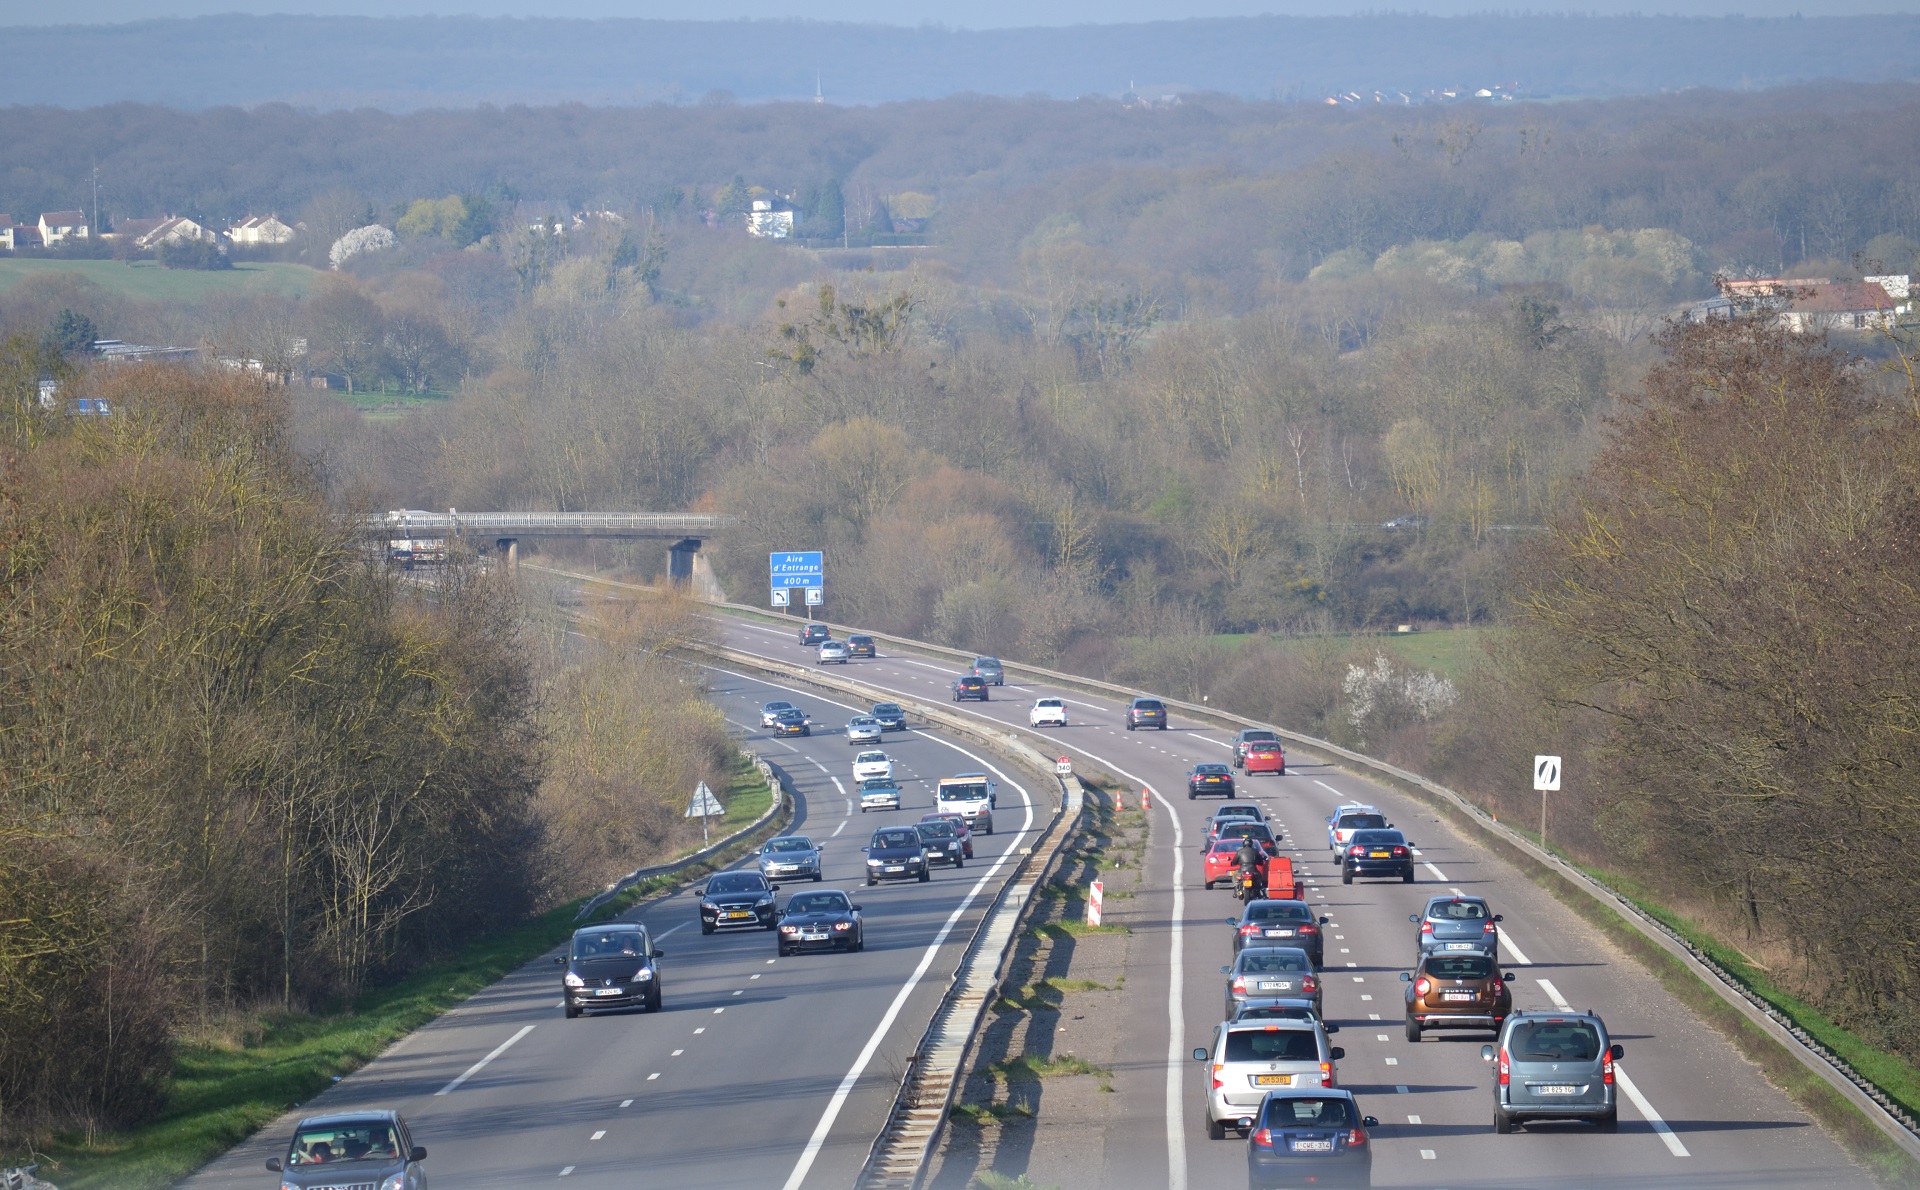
[[1250, 929], [1399, 853], [1422, 986], [1356, 849], [1506, 1072], [1606, 1067], [1426, 927], [1309, 984], [1240, 985], [1356, 1138], [1488, 929], [1264, 1138], [1217, 1068], [1326, 1074], [1496, 987], [1309, 929]]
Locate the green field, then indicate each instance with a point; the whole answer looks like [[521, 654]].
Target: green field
[[146, 281]]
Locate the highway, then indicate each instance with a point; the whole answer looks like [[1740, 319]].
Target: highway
[[1694, 1112], [761, 1071]]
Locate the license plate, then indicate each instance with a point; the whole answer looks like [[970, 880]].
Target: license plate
[[1275, 985], [813, 937], [606, 991], [1461, 946], [1378, 855], [896, 867], [1458, 996], [1312, 1146], [1279, 933], [736, 916], [1273, 1080], [1554, 1089]]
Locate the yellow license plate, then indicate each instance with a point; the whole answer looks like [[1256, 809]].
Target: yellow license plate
[[1379, 855], [1273, 1080]]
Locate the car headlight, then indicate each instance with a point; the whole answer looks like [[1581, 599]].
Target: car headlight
[[789, 929], [395, 1181], [763, 903], [644, 973], [843, 925], [574, 981], [873, 863]]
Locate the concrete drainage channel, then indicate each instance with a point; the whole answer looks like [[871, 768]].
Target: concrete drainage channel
[[900, 1153]]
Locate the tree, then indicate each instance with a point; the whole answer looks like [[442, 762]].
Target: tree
[[346, 331], [827, 214], [204, 255], [72, 334], [372, 238], [733, 198]]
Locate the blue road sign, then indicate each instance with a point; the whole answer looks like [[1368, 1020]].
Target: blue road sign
[[798, 568]]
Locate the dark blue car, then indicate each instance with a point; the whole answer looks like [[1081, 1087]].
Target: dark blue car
[[1313, 1137]]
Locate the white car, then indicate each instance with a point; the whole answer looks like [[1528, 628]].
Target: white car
[[863, 729], [1048, 712], [771, 711], [868, 765]]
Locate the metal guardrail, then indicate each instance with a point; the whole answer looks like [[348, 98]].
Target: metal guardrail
[[453, 523]]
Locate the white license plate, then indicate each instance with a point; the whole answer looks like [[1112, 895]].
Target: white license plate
[[1461, 946], [813, 937], [606, 991], [1458, 996], [1279, 933], [1275, 985], [1313, 1146], [896, 867], [1554, 1089]]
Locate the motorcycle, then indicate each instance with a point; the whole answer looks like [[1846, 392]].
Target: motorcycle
[[1249, 884]]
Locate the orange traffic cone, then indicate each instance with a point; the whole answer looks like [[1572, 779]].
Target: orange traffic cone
[[1145, 792]]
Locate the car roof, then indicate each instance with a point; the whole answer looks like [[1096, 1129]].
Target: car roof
[[611, 927], [1247, 950], [1312, 1093], [1273, 1024], [802, 838], [1453, 900], [1272, 901]]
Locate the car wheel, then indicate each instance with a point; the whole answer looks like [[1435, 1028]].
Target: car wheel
[[816, 877], [958, 863], [1413, 1030], [1406, 877], [925, 875], [1281, 771], [1346, 877], [1191, 795], [871, 882], [1216, 1130], [1502, 1122], [1609, 1122], [572, 1011], [706, 928], [1209, 886], [653, 1001], [1129, 727], [983, 696], [781, 950]]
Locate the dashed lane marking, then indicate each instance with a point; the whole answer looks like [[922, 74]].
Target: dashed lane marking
[[1413, 1119], [477, 1067], [598, 1135]]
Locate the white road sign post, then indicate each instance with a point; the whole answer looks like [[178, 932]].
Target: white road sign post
[[703, 805], [1546, 779]]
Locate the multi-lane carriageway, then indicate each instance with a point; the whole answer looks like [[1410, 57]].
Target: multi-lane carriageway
[[779, 1072]]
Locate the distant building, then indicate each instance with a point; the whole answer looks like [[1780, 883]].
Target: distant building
[[6, 233], [1874, 304], [115, 351], [56, 226], [174, 229], [260, 229], [772, 218]]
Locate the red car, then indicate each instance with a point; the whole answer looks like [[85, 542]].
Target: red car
[[960, 824], [1222, 861], [1265, 756]]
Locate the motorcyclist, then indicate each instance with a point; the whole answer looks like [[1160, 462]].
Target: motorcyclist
[[1253, 864]]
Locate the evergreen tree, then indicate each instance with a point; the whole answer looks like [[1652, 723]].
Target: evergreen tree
[[829, 214]]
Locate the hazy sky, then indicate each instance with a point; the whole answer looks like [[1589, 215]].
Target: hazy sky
[[976, 14]]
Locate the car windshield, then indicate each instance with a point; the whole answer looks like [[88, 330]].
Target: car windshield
[[1279, 911], [1460, 967], [1289, 1112], [1283, 959], [777, 706], [871, 758], [610, 945], [793, 844], [1459, 911], [887, 708], [1272, 1045], [963, 793], [820, 902], [344, 1141], [1361, 822], [877, 783], [733, 882], [896, 839], [1554, 1041], [937, 830], [1379, 838], [1218, 770]]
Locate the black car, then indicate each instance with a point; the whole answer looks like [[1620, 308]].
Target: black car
[[1147, 712], [943, 842], [374, 1148], [861, 645], [813, 634], [736, 899], [897, 853], [613, 965], [792, 721], [824, 920], [970, 687], [1377, 853], [1280, 923], [1315, 1136], [1209, 778], [892, 716]]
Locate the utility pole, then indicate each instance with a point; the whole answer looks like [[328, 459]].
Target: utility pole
[[96, 199]]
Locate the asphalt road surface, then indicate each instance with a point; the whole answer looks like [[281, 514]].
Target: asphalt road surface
[[1694, 1113], [758, 1071]]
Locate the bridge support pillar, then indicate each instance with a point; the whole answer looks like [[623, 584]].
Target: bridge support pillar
[[680, 557], [510, 550]]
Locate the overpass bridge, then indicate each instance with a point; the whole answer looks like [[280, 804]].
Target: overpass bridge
[[505, 530]]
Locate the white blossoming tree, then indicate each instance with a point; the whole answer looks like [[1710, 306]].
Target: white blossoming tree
[[371, 238], [1383, 696]]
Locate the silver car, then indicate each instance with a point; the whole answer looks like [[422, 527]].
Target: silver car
[[864, 729], [1266, 972], [1248, 1059], [1553, 1066], [832, 651], [1456, 925], [790, 857], [1348, 819]]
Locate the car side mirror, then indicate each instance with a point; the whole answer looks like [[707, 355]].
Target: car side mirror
[[1330, 1028], [1486, 1053], [1226, 970], [1406, 977], [1370, 1121], [1509, 977], [1412, 846], [857, 909], [701, 891], [1499, 917], [417, 1154], [658, 953], [1199, 1055], [273, 1164], [1616, 1051], [1413, 917], [1233, 921], [773, 888], [560, 960], [1326, 921], [1336, 1053]]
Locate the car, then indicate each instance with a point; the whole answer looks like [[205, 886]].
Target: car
[[1241, 810], [1456, 925], [1377, 853], [969, 687], [792, 721], [1280, 923], [1209, 777], [1311, 1137], [1350, 818], [611, 965], [373, 1148], [1224, 815], [1264, 756], [989, 670], [1048, 712], [1554, 1066], [823, 919], [872, 763], [1146, 712], [864, 729], [942, 841], [1411, 523], [1247, 1060], [1281, 1008], [832, 651], [971, 796], [772, 710], [1220, 862], [861, 645], [1263, 972], [959, 824], [1232, 830], [1456, 991], [879, 793], [892, 716], [1250, 735], [733, 899], [896, 853], [813, 634], [790, 857]]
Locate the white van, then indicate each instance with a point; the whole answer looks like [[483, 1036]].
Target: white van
[[969, 795]]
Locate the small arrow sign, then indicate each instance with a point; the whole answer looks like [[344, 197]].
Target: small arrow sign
[[779, 597], [704, 805], [1546, 773]]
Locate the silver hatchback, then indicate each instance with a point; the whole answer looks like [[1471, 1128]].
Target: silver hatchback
[[1553, 1066], [1247, 1059], [1265, 972]]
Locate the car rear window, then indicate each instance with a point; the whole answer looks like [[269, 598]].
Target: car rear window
[[1225, 846], [1255, 734], [1219, 770], [877, 783], [1265, 747], [1459, 911], [1362, 822], [1286, 959], [1279, 911], [1246, 828], [1554, 1041], [1147, 704], [1460, 967], [1379, 838], [1272, 1045], [1289, 1112]]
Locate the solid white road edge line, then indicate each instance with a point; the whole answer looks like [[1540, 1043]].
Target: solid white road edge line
[[477, 1067], [1646, 1109]]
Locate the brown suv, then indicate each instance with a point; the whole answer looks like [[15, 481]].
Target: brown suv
[[1456, 991]]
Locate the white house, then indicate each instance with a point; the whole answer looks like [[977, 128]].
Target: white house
[[6, 233], [58, 225], [771, 219], [173, 230], [260, 229], [1874, 304]]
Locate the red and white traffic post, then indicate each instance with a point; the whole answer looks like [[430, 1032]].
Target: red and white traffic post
[[1093, 904]]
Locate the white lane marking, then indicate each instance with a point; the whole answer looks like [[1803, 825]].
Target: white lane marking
[[1437, 873], [676, 1053], [840, 1093], [835, 835], [1327, 787], [700, 1030], [1456, 892], [598, 1135], [626, 1103], [718, 1011], [1366, 997], [1351, 964], [1427, 1155], [1379, 1036], [739, 991], [1553, 994], [1399, 1090], [1646, 1109], [650, 1078], [771, 962], [1413, 1119], [564, 1172], [1359, 978], [1519, 956], [1393, 1061], [675, 930], [755, 975], [1373, 1016], [477, 1067]]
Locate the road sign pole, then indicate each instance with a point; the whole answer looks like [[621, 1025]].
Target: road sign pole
[[1546, 779]]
